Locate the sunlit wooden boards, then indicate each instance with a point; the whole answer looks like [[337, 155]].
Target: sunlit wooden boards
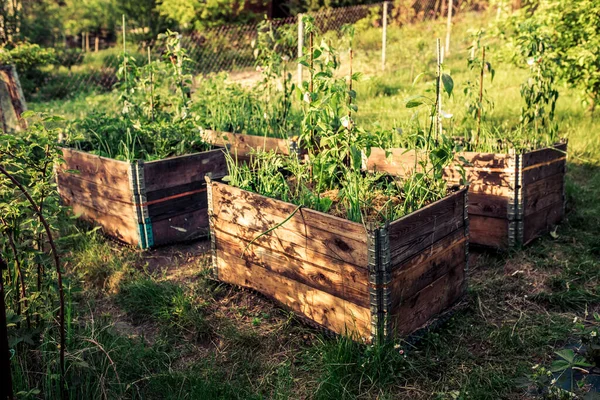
[[242, 146], [513, 198], [144, 204], [12, 101], [366, 282]]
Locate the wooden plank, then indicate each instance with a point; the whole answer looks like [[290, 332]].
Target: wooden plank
[[541, 222], [479, 179], [177, 171], [543, 193], [100, 170], [415, 311], [297, 246], [69, 182], [488, 205], [123, 227], [12, 101], [336, 314], [346, 281], [253, 210], [544, 155], [400, 162], [243, 145], [542, 171], [426, 267], [477, 160], [160, 210], [166, 193], [99, 203], [412, 233], [179, 228], [488, 231]]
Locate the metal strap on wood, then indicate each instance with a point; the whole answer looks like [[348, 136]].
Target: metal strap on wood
[[211, 224], [515, 203], [379, 282], [467, 232], [138, 188]]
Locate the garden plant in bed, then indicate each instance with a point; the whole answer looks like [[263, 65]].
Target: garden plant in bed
[[516, 173], [363, 254], [140, 175], [263, 116]]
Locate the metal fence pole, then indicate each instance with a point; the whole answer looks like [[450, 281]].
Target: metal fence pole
[[300, 47], [448, 27], [384, 35]]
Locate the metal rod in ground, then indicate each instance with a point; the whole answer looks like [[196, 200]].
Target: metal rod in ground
[[384, 34], [448, 27], [6, 389], [300, 47]]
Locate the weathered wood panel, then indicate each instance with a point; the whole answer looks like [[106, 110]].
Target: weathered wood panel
[[180, 228], [243, 145], [333, 313], [544, 155], [489, 231], [183, 170], [100, 170], [538, 172], [488, 205], [426, 267], [415, 311], [542, 221], [346, 282], [413, 233], [326, 234], [543, 193], [123, 227], [400, 162]]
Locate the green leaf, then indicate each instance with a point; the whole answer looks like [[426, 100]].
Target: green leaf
[[559, 366], [566, 354], [448, 84], [414, 101]]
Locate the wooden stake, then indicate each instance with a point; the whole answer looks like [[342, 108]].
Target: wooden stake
[[96, 44], [87, 42], [300, 47], [384, 35], [480, 96], [448, 26]]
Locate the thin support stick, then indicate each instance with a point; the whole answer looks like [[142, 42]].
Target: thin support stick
[[440, 60], [448, 26], [151, 85], [384, 35], [300, 47], [480, 105]]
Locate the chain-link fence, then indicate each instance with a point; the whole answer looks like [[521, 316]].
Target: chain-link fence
[[230, 47]]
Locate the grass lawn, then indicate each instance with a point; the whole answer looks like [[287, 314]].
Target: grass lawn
[[151, 325]]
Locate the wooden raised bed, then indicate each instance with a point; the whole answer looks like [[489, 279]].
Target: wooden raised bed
[[12, 101], [513, 198], [368, 282], [141, 203]]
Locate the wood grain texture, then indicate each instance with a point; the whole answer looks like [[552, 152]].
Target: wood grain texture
[[399, 162], [12, 101], [538, 172], [123, 227], [544, 155], [543, 193], [180, 228], [415, 311], [488, 205], [344, 281], [332, 312], [541, 222], [432, 263], [489, 231], [243, 145], [183, 170], [99, 170], [331, 236], [417, 231]]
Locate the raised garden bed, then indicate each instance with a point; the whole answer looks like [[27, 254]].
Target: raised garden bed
[[142, 203], [513, 198], [368, 282]]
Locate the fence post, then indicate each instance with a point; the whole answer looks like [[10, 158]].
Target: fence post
[[96, 44], [384, 35], [300, 47], [448, 27]]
